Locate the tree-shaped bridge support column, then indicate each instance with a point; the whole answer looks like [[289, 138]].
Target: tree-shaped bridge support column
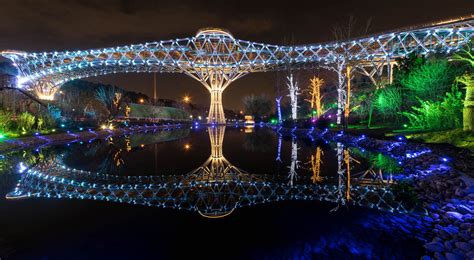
[[216, 81], [216, 110]]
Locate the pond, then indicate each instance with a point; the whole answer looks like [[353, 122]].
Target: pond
[[215, 192]]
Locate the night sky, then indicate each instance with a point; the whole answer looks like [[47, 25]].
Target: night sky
[[38, 25]]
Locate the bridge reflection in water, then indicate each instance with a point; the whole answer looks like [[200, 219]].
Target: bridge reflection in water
[[216, 188]]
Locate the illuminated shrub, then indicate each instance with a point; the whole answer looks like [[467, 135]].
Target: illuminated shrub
[[388, 102], [25, 122], [435, 115], [5, 121], [46, 122], [431, 80]]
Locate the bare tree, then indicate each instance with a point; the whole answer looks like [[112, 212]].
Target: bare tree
[[315, 97], [467, 55], [344, 67], [111, 98], [294, 93]]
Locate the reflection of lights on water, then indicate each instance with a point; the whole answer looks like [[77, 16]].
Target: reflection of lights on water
[[21, 167], [104, 126]]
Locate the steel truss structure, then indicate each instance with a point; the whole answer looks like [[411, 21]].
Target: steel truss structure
[[216, 59], [184, 192], [215, 189], [216, 167]]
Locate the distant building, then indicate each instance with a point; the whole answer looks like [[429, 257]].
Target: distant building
[[8, 75], [9, 98]]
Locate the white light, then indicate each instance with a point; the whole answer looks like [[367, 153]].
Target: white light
[[21, 167], [21, 80]]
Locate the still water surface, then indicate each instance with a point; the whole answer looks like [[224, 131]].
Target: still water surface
[[211, 192]]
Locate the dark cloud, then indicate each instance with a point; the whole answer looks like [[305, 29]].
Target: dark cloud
[[38, 25]]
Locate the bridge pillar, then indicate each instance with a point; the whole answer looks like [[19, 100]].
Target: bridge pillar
[[216, 110], [44, 89], [216, 81]]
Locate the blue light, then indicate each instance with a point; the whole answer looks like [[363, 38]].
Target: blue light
[[416, 154], [62, 125], [80, 128], [445, 159], [401, 138]]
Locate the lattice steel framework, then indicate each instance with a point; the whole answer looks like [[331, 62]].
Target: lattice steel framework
[[216, 167], [214, 189], [211, 199], [215, 58]]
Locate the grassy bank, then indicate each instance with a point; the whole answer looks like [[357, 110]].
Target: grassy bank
[[456, 137]]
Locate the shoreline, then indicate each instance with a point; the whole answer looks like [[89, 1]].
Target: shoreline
[[62, 138], [443, 180]]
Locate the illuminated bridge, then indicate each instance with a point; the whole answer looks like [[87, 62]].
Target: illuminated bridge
[[215, 58], [209, 198], [215, 189]]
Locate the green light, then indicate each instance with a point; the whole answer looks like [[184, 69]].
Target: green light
[[2, 136], [314, 112], [331, 125], [405, 125]]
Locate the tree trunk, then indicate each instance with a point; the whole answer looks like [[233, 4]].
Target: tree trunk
[[468, 111], [370, 114]]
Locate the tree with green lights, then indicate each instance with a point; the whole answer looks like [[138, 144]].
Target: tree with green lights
[[388, 102], [429, 81]]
